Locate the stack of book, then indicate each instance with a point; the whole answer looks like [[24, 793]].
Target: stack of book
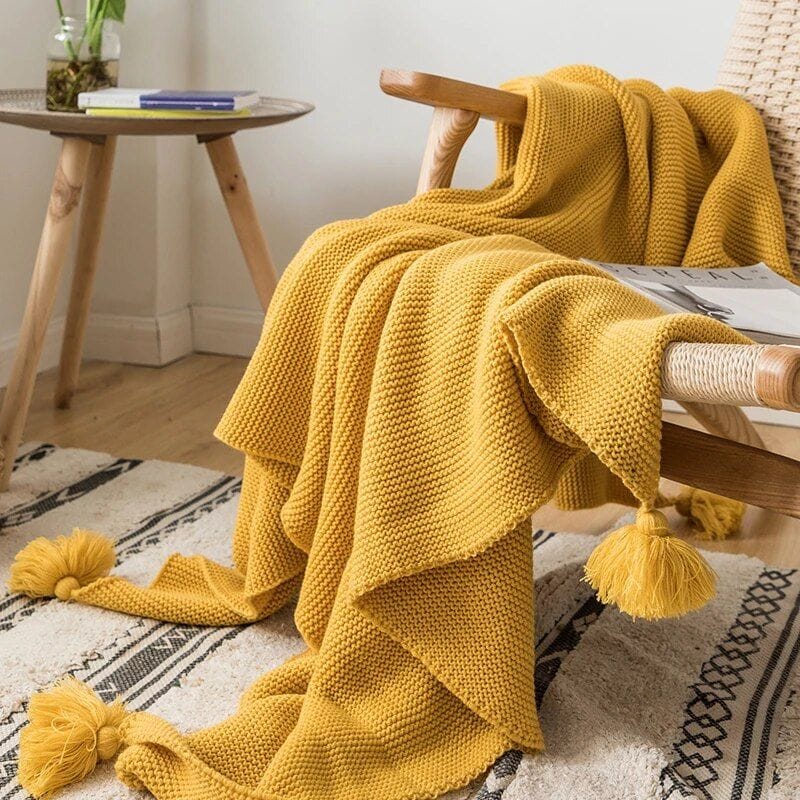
[[167, 103]]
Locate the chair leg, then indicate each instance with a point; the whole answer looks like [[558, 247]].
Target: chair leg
[[239, 202], [95, 197], [729, 422], [449, 131], [61, 213]]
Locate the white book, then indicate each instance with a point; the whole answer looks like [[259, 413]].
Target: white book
[[112, 98]]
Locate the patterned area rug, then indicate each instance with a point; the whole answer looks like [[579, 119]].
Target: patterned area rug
[[702, 707]]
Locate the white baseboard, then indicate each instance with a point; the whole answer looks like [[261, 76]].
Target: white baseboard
[[174, 335], [151, 341], [227, 331]]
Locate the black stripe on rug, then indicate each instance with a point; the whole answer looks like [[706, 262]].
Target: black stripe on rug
[[781, 747], [219, 493], [51, 500], [36, 454]]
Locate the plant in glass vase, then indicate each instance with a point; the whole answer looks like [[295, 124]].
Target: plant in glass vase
[[83, 54]]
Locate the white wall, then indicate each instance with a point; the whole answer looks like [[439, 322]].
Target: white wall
[[360, 150], [168, 241]]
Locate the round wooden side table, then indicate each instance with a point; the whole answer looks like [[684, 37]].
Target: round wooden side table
[[84, 166]]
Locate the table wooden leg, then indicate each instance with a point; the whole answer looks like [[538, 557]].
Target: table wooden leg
[[61, 213], [236, 194], [93, 207]]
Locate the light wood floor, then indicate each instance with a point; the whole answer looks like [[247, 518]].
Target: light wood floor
[[170, 413], [144, 412]]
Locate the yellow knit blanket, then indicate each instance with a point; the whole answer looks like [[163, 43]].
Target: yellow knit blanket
[[427, 377]]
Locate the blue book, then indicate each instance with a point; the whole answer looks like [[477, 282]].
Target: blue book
[[168, 99]]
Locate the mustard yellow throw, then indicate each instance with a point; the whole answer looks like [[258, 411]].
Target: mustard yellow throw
[[427, 377]]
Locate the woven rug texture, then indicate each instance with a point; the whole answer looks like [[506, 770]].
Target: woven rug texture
[[702, 707]]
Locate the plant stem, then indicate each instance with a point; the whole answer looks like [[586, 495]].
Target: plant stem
[[68, 37], [94, 26]]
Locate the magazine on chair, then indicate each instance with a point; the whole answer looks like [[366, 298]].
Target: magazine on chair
[[754, 299]]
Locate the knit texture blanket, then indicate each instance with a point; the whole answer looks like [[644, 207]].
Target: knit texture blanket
[[427, 377]]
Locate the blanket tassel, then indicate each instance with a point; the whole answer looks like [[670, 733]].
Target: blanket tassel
[[57, 567], [70, 730], [648, 572], [715, 517]]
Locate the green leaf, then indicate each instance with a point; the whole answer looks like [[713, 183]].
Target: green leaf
[[115, 9]]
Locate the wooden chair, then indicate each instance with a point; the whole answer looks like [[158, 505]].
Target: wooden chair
[[710, 381]]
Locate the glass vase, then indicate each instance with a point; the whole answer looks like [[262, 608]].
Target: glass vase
[[80, 59]]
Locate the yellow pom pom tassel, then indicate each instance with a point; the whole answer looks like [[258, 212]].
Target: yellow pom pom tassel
[[70, 730], [714, 516], [56, 568], [647, 572]]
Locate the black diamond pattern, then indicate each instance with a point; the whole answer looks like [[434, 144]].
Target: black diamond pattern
[[693, 771]]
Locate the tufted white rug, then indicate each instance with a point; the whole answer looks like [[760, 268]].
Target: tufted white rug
[[689, 708]]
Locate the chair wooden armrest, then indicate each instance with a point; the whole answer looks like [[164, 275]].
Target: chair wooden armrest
[[434, 90], [711, 381]]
